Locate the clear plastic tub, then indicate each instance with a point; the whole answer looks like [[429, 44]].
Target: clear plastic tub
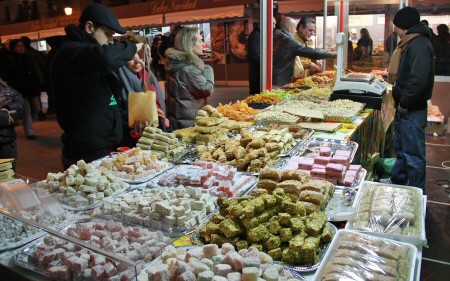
[[357, 256], [391, 211]]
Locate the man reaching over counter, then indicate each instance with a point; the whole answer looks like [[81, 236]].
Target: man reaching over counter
[[286, 48], [86, 87]]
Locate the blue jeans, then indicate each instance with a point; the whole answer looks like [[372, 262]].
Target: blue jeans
[[409, 146]]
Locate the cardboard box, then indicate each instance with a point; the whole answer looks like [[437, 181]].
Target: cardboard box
[[435, 124]]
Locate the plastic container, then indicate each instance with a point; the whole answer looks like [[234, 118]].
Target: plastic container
[[390, 211], [355, 256]]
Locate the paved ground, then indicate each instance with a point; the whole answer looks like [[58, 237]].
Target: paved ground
[[37, 158]]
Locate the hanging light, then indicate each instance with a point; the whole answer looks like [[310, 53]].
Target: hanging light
[[68, 11]]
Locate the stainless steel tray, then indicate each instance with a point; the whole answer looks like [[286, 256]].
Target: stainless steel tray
[[31, 234], [169, 166], [44, 191], [310, 147], [188, 157], [174, 231], [248, 187], [195, 238], [21, 257], [158, 261]]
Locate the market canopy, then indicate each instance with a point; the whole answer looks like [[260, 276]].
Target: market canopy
[[205, 14]]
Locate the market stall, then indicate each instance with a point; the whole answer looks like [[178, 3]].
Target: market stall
[[249, 192]]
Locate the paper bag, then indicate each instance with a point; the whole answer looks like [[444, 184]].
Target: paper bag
[[142, 105]]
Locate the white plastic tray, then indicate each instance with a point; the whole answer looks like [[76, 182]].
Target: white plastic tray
[[330, 253], [417, 241]]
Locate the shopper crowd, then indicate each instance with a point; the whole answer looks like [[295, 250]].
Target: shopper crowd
[[88, 76]]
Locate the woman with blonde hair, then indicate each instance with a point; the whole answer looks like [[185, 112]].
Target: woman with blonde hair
[[190, 82]]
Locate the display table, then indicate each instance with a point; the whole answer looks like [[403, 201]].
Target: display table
[[370, 130]]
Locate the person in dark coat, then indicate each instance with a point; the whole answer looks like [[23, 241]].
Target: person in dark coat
[[24, 79], [11, 109], [254, 60], [190, 82], [83, 78], [364, 47], [441, 45], [411, 69], [286, 48], [391, 43], [40, 68]]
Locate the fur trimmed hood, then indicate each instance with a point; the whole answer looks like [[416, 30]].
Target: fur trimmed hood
[[179, 59]]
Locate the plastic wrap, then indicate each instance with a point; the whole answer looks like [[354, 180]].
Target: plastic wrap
[[358, 257], [224, 263], [220, 181], [172, 210], [391, 211]]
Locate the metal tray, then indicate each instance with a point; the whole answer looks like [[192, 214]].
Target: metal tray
[[195, 238], [175, 231], [258, 127], [188, 157], [246, 189], [44, 191], [21, 257], [158, 261], [169, 166], [310, 147], [30, 236], [105, 220]]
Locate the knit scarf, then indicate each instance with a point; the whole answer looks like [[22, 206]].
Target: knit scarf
[[397, 55]]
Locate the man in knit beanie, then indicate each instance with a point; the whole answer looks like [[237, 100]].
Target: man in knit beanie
[[411, 70]]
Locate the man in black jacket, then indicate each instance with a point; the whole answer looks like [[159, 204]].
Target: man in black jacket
[[254, 60], [286, 48], [11, 109], [412, 70], [83, 79]]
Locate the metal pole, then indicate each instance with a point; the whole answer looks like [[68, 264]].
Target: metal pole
[[266, 15], [325, 15]]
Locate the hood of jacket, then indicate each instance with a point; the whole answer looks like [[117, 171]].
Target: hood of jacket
[[73, 33], [179, 59], [421, 29]]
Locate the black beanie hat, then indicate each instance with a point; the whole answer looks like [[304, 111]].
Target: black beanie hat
[[406, 18]]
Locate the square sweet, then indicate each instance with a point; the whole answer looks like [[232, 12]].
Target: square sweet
[[344, 153], [305, 163], [355, 167], [322, 160], [334, 168], [340, 160], [351, 173], [325, 151], [318, 173], [318, 166]]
